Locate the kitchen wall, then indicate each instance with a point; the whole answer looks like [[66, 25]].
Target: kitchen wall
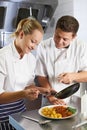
[[41, 10], [80, 9], [77, 8]]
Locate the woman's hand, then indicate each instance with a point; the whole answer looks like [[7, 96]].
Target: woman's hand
[[31, 93], [43, 90]]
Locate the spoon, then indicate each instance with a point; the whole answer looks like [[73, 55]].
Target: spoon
[[67, 91], [35, 120], [79, 125]]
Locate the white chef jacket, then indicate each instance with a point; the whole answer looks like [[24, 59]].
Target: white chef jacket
[[52, 61], [15, 73]]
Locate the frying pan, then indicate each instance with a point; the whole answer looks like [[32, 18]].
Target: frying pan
[[67, 91]]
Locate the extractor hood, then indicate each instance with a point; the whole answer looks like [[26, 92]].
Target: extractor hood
[[12, 11]]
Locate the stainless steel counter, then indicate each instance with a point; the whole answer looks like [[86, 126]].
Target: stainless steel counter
[[21, 123]]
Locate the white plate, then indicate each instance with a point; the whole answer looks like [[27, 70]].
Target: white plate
[[51, 106]]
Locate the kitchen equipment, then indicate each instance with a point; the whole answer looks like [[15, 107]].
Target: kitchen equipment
[[84, 105], [41, 10], [12, 11], [67, 91], [35, 120], [79, 125]]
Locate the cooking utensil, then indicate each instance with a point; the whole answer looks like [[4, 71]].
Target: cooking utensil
[[35, 120], [79, 125], [67, 91]]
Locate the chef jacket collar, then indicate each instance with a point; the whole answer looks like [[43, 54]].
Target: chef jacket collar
[[15, 52]]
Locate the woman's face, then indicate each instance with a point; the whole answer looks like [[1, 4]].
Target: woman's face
[[30, 41], [62, 39]]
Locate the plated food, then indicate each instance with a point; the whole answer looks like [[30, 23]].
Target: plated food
[[57, 112]]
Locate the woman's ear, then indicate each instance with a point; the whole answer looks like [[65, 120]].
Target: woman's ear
[[21, 34]]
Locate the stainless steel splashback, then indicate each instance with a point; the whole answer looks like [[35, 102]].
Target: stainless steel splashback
[[12, 11]]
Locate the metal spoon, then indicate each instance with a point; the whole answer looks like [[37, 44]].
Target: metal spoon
[[67, 91], [79, 125], [35, 120]]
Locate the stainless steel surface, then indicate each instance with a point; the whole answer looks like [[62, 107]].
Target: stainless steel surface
[[33, 119], [12, 11], [79, 125], [60, 124], [5, 38]]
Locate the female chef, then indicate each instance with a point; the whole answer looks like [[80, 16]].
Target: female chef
[[17, 66]]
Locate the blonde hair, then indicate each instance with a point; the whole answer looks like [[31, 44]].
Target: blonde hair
[[28, 25]]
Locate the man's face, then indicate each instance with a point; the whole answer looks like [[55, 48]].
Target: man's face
[[62, 39]]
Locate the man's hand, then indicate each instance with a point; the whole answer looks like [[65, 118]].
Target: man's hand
[[53, 100], [66, 78]]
